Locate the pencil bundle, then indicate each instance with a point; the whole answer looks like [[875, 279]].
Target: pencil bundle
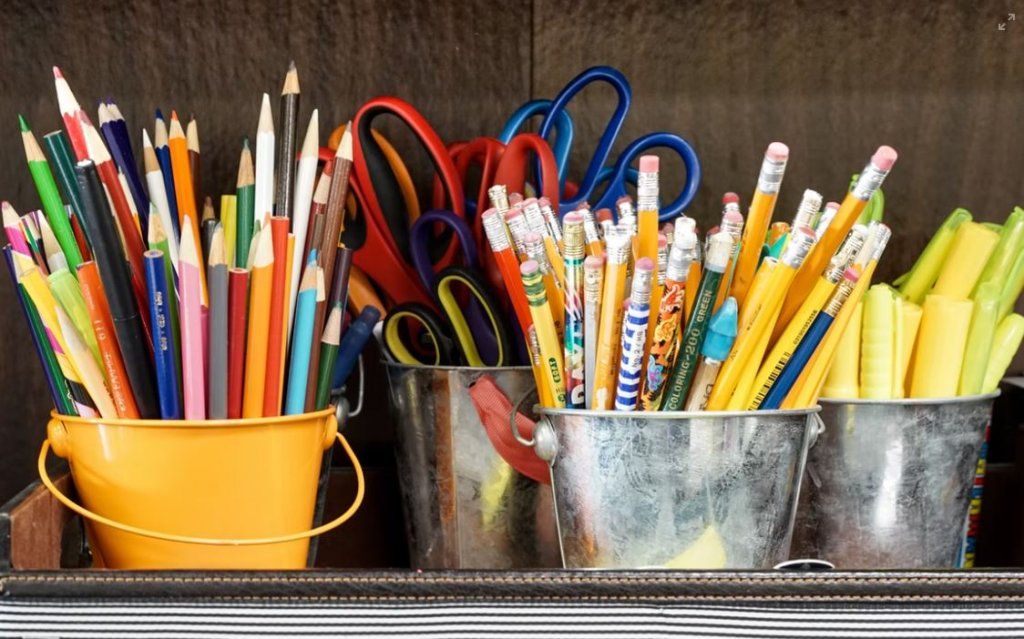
[[144, 301], [946, 328], [624, 315]]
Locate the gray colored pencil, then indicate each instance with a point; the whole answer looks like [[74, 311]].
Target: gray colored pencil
[[217, 357]]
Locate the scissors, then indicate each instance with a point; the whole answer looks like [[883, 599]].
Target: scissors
[[476, 337], [563, 131], [616, 176], [381, 234]]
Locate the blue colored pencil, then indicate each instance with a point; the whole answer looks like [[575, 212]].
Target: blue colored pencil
[[352, 344], [162, 335], [163, 156], [791, 372], [120, 149], [302, 340]]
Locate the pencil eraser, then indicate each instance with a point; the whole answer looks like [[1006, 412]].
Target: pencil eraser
[[544, 202], [648, 163], [530, 201], [832, 205], [777, 152], [645, 264], [491, 212], [572, 218], [730, 198], [515, 198], [806, 230], [884, 157], [593, 261], [732, 217], [514, 212], [662, 241], [622, 199], [603, 214], [528, 267], [851, 275]]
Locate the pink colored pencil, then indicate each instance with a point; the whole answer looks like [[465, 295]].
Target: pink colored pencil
[[193, 366]]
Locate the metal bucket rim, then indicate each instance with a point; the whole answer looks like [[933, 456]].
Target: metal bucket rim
[[680, 414], [468, 369], [913, 401]]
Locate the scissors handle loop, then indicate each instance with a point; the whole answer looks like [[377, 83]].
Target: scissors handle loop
[[466, 338], [563, 131], [422, 234], [618, 81], [515, 163], [395, 341], [623, 173]]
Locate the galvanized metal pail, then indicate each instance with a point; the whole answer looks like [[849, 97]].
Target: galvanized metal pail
[[465, 507], [889, 483], [675, 489]]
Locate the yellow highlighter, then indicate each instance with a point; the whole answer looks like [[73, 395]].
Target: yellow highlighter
[[843, 378], [1008, 338], [543, 323], [911, 320], [984, 320], [939, 354], [877, 351], [972, 246]]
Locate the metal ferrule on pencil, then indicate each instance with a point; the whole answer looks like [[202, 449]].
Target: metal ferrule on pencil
[[839, 296], [618, 248], [535, 251], [647, 191], [641, 293], [535, 217], [797, 250], [844, 257], [590, 228], [810, 204], [574, 244], [498, 195], [770, 178], [494, 228], [518, 228], [870, 180], [719, 252], [550, 219]]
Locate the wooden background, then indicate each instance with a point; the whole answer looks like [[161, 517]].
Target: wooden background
[[833, 79]]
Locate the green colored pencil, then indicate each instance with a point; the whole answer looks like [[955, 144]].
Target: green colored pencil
[[328, 355], [59, 151], [53, 206], [245, 204]]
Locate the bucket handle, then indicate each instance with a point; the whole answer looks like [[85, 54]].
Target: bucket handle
[[152, 534]]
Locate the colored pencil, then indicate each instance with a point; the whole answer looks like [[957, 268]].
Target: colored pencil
[[68, 294], [114, 272], [12, 228], [159, 199], [51, 369], [164, 347], [163, 156], [278, 321], [304, 182], [208, 224], [238, 312], [245, 192], [261, 287], [53, 206], [328, 355], [302, 342], [185, 194], [217, 356], [315, 232], [110, 352], [286, 143], [263, 206], [193, 365], [88, 369], [192, 142], [70, 112], [228, 218], [55, 259], [125, 161], [59, 152]]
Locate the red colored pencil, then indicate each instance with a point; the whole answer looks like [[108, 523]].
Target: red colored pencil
[[238, 320], [272, 386]]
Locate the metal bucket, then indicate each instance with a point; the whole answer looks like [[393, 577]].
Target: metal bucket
[[889, 483], [465, 507], [675, 489]]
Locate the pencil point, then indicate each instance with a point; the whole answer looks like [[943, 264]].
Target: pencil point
[[57, 73], [22, 123], [174, 115], [245, 143], [266, 121], [159, 114], [345, 146]]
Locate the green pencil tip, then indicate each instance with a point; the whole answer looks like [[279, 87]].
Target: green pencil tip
[[245, 142], [22, 123]]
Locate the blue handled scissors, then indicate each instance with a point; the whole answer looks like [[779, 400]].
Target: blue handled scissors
[[616, 175], [476, 337], [563, 131]]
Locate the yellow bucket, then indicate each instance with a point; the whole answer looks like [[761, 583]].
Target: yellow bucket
[[227, 494]]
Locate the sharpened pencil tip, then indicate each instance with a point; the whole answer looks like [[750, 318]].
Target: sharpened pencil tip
[[291, 65], [174, 115], [245, 142], [57, 73], [22, 123], [159, 114]]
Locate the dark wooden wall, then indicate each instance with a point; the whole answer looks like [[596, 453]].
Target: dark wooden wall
[[938, 81]]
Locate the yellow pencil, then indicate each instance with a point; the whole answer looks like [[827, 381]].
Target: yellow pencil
[[606, 369], [773, 167], [544, 325], [261, 281], [228, 219]]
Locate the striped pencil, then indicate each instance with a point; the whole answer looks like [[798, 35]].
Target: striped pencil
[[634, 336]]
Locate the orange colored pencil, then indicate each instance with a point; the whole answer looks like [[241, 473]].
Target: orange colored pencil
[[275, 335], [261, 282], [184, 190], [103, 326]]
